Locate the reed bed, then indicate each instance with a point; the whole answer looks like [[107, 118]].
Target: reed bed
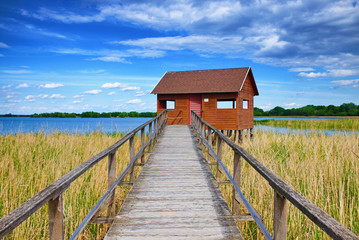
[[323, 168], [30, 162], [347, 124]]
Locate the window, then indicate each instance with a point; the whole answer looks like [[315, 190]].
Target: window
[[170, 104], [245, 104], [226, 103], [167, 104]]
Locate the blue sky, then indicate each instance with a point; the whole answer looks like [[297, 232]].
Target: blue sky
[[89, 55]]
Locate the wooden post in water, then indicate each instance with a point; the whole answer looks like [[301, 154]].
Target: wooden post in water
[[111, 210], [280, 217], [56, 222], [132, 154], [237, 179], [142, 143]]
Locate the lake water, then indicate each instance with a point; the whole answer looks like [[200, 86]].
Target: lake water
[[13, 125]]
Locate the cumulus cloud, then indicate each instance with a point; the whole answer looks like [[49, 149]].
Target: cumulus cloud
[[111, 93], [301, 69], [352, 83], [93, 92], [140, 94], [135, 101], [312, 74], [57, 96], [22, 71], [30, 98], [130, 88], [113, 85], [24, 85], [292, 34], [76, 101], [51, 85], [3, 45]]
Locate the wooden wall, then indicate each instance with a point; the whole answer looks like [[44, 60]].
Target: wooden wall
[[245, 116], [180, 115], [223, 119]]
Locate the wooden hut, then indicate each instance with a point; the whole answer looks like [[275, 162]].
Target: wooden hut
[[223, 97]]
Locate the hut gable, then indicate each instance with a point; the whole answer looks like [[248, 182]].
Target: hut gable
[[205, 81]]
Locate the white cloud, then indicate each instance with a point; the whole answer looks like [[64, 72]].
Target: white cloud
[[94, 92], [43, 96], [110, 59], [16, 71], [57, 96], [77, 101], [130, 88], [113, 85], [30, 98], [353, 82], [24, 85], [78, 96], [140, 93], [135, 101], [111, 93], [291, 105], [301, 69], [7, 86], [312, 74], [37, 30], [51, 85], [3, 45], [342, 72]]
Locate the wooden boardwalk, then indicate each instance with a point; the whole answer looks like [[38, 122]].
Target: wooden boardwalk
[[175, 196]]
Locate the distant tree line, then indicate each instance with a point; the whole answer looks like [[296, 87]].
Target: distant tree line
[[92, 115], [346, 109]]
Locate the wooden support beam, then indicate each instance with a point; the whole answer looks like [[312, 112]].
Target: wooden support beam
[[243, 217], [280, 217], [56, 222], [132, 154], [237, 179], [142, 143], [219, 154], [125, 184], [251, 133], [111, 209], [225, 182], [149, 136], [102, 219]]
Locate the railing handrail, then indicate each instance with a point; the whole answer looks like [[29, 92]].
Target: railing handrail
[[25, 210], [319, 217], [237, 189]]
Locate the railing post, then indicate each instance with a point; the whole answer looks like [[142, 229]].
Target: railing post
[[219, 154], [237, 179], [280, 217], [111, 210], [209, 141], [142, 143], [56, 222], [149, 136], [132, 154]]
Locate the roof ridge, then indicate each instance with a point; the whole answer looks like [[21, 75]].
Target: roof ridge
[[213, 69]]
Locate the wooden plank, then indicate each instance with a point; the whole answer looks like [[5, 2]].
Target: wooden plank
[[175, 196], [237, 179]]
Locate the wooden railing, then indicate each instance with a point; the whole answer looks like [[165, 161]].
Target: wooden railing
[[52, 194], [283, 192]]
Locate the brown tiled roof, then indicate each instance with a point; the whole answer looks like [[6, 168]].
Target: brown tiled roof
[[204, 81]]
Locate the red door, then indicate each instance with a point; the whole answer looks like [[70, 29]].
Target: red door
[[195, 104]]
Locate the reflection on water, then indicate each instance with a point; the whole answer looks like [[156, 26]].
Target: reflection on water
[[285, 130]]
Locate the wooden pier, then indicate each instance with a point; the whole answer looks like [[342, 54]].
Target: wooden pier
[[175, 196]]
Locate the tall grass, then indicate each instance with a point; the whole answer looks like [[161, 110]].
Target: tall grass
[[347, 124], [30, 162], [323, 168]]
